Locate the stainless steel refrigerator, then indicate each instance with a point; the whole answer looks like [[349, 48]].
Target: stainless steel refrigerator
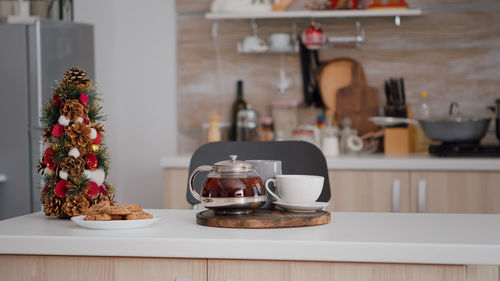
[[32, 57]]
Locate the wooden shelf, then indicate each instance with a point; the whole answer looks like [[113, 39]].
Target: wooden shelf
[[315, 14]]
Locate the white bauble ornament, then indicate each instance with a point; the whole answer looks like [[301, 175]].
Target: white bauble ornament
[[63, 120], [48, 171], [79, 120], [96, 176], [74, 152], [63, 175], [93, 133]]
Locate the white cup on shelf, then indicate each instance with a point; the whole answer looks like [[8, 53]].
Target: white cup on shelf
[[280, 42]]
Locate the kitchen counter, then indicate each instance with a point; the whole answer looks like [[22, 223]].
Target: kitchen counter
[[350, 237], [382, 162]]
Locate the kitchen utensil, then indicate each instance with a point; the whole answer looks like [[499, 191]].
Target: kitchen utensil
[[332, 77], [391, 121], [267, 169], [303, 189], [279, 42], [264, 219], [358, 101], [455, 127], [231, 187], [253, 44], [293, 207], [309, 62], [115, 224]]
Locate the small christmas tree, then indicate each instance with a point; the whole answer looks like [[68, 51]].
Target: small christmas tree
[[75, 163]]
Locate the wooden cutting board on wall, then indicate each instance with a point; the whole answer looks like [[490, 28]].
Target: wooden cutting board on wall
[[344, 91], [334, 76]]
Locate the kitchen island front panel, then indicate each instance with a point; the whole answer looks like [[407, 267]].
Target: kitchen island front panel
[[350, 237]]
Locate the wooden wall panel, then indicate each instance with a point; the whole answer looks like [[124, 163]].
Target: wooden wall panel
[[452, 51]]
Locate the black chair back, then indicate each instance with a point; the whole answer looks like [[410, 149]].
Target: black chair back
[[297, 157]]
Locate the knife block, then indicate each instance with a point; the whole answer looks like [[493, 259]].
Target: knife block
[[399, 141]]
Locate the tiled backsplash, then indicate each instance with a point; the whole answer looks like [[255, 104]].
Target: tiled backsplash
[[452, 52]]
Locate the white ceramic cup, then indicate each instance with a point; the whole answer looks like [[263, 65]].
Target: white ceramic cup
[[298, 189], [254, 44], [279, 41]]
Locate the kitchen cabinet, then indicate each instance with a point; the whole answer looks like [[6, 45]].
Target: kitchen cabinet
[[175, 184], [455, 192], [387, 191], [245, 270], [370, 191], [64, 268]]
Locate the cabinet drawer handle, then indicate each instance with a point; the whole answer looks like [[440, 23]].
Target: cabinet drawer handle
[[422, 195], [396, 195]]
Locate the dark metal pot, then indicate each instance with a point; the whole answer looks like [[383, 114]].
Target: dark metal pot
[[456, 128], [469, 130]]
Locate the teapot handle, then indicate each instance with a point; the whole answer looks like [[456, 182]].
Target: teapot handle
[[195, 194]]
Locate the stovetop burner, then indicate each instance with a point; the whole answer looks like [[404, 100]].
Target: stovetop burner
[[464, 150]]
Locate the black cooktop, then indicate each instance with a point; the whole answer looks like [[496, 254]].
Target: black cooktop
[[464, 150]]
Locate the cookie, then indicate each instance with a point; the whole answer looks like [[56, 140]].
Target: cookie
[[133, 207], [141, 215], [98, 208], [98, 217], [117, 217], [118, 210]]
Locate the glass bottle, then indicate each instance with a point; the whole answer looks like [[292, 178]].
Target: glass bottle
[[238, 105]]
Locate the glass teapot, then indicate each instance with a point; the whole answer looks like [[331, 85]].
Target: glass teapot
[[231, 187]]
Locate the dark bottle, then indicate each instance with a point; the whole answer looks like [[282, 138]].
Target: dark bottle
[[238, 105]]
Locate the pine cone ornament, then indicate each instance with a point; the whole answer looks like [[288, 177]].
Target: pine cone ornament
[[76, 205], [73, 109], [77, 77], [73, 166], [53, 206], [79, 134], [46, 134], [99, 128]]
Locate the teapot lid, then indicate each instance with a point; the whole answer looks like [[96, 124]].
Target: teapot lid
[[233, 165]]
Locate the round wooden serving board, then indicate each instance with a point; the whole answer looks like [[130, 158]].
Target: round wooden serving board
[[263, 219]]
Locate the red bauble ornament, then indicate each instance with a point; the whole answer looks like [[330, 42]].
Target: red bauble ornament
[[91, 161], [86, 121], [97, 139], [57, 100], [60, 189], [58, 131], [313, 37], [103, 189], [93, 190], [48, 158], [84, 99]]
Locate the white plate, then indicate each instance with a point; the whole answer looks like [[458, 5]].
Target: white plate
[[293, 207], [117, 224]]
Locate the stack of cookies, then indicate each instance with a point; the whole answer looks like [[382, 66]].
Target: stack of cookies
[[106, 211]]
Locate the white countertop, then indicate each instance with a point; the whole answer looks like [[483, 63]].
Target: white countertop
[[381, 162], [350, 237]]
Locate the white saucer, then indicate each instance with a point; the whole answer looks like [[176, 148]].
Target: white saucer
[[294, 207]]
